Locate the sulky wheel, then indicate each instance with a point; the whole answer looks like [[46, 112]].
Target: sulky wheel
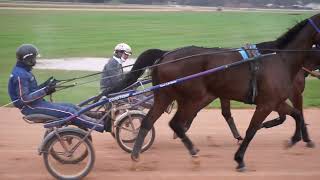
[[68, 166], [63, 160], [127, 130]]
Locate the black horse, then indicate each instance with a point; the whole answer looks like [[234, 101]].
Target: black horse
[[274, 84]]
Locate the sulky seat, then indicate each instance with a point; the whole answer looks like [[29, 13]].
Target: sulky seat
[[38, 118]]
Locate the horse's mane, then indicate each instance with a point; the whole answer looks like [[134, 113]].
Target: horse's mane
[[283, 40]]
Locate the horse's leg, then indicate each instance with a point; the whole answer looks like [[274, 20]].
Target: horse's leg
[[297, 102], [187, 110], [202, 104], [297, 115], [161, 103], [226, 112], [274, 122], [177, 124], [284, 108], [261, 112], [296, 99], [188, 122]]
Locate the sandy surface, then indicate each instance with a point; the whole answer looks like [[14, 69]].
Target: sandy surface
[[168, 159]]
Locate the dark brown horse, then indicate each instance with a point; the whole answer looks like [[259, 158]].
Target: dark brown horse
[[295, 96], [274, 83], [150, 56]]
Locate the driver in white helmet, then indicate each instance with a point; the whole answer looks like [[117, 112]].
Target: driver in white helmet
[[114, 66]]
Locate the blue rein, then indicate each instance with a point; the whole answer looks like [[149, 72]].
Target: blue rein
[[316, 28], [314, 25]]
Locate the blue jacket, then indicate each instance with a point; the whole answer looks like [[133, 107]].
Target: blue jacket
[[23, 88]]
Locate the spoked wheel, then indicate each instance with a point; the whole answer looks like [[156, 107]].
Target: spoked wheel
[[69, 141], [70, 149], [127, 130]]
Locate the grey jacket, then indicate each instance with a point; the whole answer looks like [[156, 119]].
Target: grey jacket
[[112, 68]]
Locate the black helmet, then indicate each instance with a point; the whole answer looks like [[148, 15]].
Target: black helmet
[[27, 54]]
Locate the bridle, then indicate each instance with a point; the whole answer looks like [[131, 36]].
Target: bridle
[[315, 28]]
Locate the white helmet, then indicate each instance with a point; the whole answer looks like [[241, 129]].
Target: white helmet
[[123, 47]]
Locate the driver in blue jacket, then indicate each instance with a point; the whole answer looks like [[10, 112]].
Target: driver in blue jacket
[[27, 95]]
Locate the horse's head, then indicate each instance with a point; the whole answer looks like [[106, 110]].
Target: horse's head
[[313, 57], [314, 22], [301, 36]]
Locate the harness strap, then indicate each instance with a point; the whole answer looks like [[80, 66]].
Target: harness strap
[[243, 53], [251, 53], [314, 25], [314, 74], [253, 90]]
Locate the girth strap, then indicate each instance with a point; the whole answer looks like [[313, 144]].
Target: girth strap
[[252, 53], [253, 90]]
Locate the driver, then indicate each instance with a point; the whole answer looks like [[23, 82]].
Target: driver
[[28, 96], [114, 67]]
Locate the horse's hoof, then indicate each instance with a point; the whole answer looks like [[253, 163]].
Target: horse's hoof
[[175, 136], [239, 138], [194, 155], [289, 144], [135, 158], [196, 160], [241, 167], [311, 144], [239, 142], [134, 166], [194, 152]]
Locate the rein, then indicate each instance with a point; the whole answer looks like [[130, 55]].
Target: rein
[[88, 75], [314, 25], [311, 72], [317, 45]]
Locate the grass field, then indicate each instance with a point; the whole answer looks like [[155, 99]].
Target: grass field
[[94, 34]]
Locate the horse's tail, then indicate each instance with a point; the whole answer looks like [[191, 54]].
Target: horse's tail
[[147, 58]]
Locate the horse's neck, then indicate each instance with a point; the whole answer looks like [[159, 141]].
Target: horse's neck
[[267, 47], [313, 58], [295, 59]]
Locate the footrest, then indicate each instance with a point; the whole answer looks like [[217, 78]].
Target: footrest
[[38, 118]]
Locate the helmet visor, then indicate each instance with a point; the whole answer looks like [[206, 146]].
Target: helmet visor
[[128, 53]]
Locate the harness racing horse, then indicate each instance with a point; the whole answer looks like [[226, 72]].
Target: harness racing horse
[[295, 96], [148, 57], [274, 83]]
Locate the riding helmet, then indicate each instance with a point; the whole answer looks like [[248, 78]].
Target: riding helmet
[[27, 54]]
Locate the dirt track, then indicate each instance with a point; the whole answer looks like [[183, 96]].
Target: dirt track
[[168, 159]]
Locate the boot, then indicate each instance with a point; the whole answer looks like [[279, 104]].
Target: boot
[[107, 124], [94, 114]]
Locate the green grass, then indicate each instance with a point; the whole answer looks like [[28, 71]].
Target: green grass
[[91, 33]]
